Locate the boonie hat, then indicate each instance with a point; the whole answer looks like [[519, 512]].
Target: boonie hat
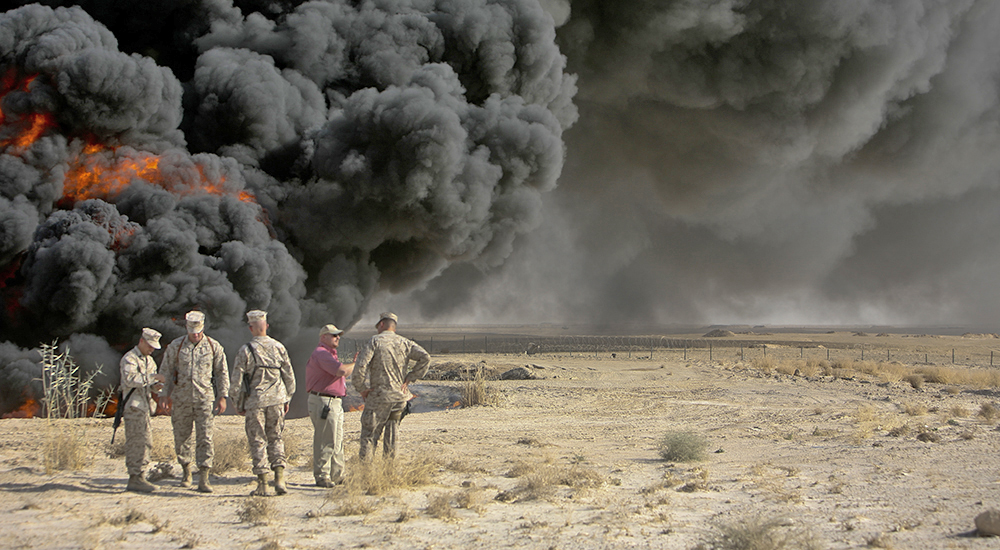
[[330, 329], [387, 315], [151, 337]]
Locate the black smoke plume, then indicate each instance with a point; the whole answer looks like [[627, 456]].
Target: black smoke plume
[[296, 157]]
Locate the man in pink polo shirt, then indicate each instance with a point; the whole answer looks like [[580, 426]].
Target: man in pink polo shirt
[[325, 384]]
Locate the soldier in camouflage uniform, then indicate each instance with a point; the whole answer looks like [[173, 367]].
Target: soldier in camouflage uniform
[[139, 381], [197, 379], [381, 377], [272, 384]]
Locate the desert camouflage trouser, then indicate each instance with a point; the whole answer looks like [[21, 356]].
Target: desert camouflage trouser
[[183, 415], [380, 419], [264, 427], [138, 440]]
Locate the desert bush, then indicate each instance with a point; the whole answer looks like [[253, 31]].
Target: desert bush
[[439, 506], [915, 380], [478, 392], [65, 387], [472, 498], [255, 510], [231, 451], [355, 505], [788, 367], [764, 364], [379, 475], [755, 533], [958, 411], [914, 409], [988, 412], [65, 447], [683, 447]]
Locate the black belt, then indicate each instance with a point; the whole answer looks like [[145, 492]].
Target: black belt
[[326, 395]]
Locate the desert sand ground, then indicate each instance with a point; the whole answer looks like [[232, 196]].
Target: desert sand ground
[[855, 460]]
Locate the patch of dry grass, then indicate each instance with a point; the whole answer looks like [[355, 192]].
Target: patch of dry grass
[[914, 409], [231, 451], [478, 391], [988, 412], [683, 447], [256, 510], [540, 481], [439, 506], [755, 533], [65, 446]]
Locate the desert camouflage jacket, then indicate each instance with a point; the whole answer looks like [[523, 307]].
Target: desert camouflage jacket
[[197, 373], [381, 366], [272, 378], [137, 372]]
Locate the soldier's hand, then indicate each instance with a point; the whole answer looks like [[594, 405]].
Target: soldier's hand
[[286, 408], [166, 402], [220, 406], [160, 378]]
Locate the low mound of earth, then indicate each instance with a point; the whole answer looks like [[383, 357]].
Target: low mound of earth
[[567, 460]]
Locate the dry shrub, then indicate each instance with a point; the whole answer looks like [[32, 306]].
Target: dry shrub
[[914, 409], [439, 506], [940, 375], [478, 392], [958, 411], [870, 368], [65, 446], [540, 481], [764, 364], [355, 505], [683, 447], [231, 451], [900, 431], [755, 533], [256, 510], [380, 475], [988, 412], [788, 367], [915, 380], [472, 498]]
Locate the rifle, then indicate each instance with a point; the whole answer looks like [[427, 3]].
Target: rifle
[[119, 411]]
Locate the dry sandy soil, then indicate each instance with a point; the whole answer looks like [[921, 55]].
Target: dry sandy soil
[[836, 457]]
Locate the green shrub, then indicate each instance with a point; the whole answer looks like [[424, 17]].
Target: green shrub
[[683, 447]]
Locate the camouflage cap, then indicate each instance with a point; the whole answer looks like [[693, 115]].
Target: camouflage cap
[[151, 337], [195, 321], [256, 315], [387, 315], [330, 329]]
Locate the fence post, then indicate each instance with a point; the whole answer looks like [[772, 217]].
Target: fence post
[[765, 350], [862, 352], [952, 356], [827, 354], [886, 355], [709, 351]]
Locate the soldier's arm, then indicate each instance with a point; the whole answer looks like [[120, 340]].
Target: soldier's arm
[[287, 373], [168, 368], [421, 363], [361, 363], [236, 380], [220, 370]]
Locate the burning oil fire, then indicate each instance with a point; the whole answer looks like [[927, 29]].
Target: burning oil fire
[[100, 170], [29, 409]]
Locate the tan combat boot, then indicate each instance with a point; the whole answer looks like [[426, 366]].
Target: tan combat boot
[[279, 480], [186, 477], [203, 484], [261, 490], [139, 484]]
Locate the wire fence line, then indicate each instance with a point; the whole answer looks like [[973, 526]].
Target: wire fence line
[[663, 348]]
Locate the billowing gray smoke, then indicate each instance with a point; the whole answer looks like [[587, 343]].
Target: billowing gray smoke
[[293, 157], [767, 161]]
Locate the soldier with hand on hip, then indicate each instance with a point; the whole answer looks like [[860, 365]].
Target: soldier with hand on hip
[[381, 376]]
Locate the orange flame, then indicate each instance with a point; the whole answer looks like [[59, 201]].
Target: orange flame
[[29, 409], [26, 129]]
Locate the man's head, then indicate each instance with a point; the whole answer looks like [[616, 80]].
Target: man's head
[[386, 321], [257, 320], [329, 335], [195, 325], [149, 341]]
